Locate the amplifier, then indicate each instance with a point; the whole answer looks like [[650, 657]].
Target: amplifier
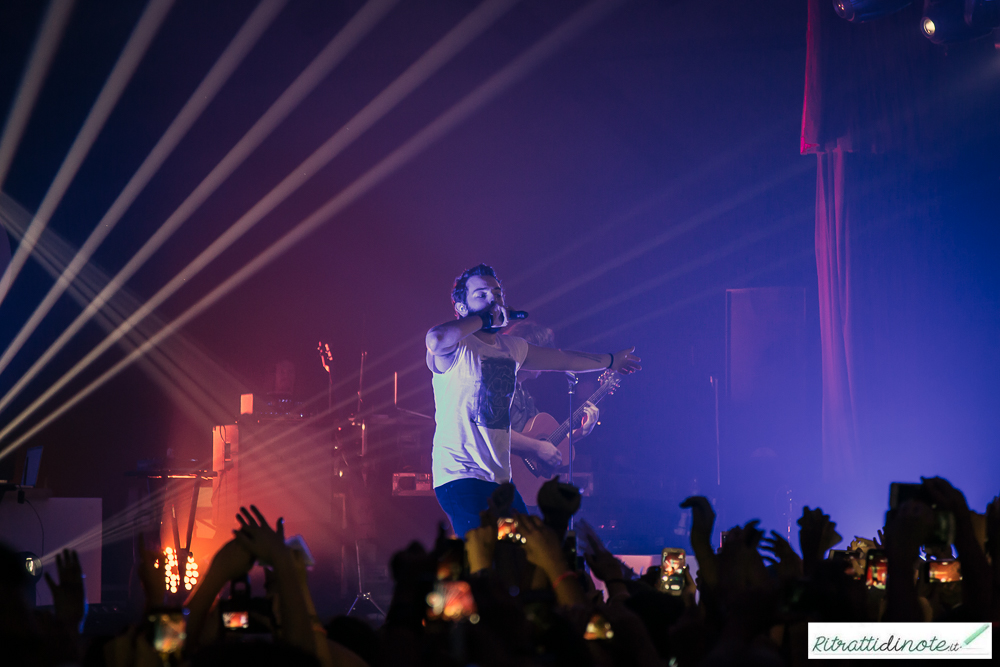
[[412, 484]]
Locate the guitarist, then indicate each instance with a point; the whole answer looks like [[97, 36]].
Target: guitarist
[[523, 408], [474, 378]]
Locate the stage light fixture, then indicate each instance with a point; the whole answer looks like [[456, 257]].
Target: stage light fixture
[[190, 573], [950, 21], [32, 565], [33, 568], [857, 11], [172, 577]]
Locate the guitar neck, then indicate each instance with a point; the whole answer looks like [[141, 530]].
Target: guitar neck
[[557, 436]]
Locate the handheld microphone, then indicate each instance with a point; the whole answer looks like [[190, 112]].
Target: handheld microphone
[[517, 315]]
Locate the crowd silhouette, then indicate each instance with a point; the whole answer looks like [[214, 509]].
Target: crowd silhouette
[[525, 595]]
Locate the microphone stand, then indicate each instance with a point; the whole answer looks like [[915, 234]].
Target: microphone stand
[[571, 379]]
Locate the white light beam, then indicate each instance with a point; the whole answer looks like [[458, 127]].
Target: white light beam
[[46, 44], [334, 52], [138, 42], [238, 48]]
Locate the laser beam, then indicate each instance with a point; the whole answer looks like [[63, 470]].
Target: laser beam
[[333, 53], [135, 48], [46, 44], [238, 48], [180, 368]]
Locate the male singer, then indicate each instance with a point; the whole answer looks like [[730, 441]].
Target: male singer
[[475, 373]]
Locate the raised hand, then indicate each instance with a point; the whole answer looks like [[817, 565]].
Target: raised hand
[[602, 562], [817, 535], [702, 518], [625, 362], [752, 534], [907, 530], [977, 585], [257, 537], [542, 545], [702, 525], [690, 589], [68, 596], [740, 565], [232, 561], [904, 534], [480, 544], [783, 556], [946, 496], [543, 548]]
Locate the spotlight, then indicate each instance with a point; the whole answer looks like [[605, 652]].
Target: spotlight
[[32, 565], [950, 21], [32, 568], [857, 11]]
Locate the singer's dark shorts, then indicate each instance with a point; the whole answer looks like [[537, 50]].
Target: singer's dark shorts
[[463, 500]]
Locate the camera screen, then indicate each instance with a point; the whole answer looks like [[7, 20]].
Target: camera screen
[[450, 601], [672, 562], [236, 620], [507, 529], [944, 571], [875, 573], [598, 628]]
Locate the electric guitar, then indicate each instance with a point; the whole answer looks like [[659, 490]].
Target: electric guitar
[[529, 473]]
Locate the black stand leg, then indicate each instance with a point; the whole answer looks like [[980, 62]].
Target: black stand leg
[[362, 593]]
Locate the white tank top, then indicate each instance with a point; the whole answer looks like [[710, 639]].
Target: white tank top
[[472, 411]]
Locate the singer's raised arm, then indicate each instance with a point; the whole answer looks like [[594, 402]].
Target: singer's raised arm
[[443, 340]]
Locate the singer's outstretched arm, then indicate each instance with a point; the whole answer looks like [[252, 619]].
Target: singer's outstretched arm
[[551, 359]]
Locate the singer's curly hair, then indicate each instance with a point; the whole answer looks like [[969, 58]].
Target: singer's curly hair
[[459, 292]]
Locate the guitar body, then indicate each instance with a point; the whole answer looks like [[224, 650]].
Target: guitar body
[[527, 472], [529, 481]]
